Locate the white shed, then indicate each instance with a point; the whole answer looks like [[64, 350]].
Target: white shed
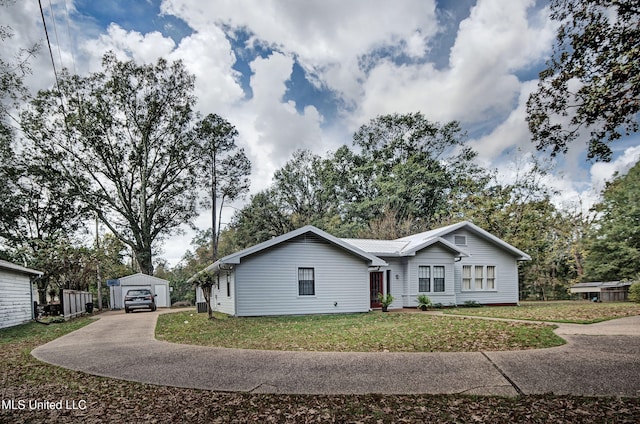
[[158, 286], [16, 299]]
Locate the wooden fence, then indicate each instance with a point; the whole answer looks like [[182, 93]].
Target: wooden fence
[[74, 302]]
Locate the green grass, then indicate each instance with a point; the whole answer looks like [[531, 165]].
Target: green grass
[[578, 312], [22, 377], [369, 332], [40, 333]]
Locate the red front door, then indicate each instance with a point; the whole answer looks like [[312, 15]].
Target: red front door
[[375, 288]]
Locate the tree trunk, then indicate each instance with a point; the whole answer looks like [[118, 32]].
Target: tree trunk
[[144, 260]]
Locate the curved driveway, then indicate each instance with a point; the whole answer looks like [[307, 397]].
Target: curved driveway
[[600, 359]]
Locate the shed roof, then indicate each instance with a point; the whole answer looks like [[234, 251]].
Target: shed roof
[[148, 279], [596, 286], [23, 270]]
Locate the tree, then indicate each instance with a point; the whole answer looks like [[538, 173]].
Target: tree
[[121, 138], [592, 79], [225, 169], [634, 292], [260, 220], [412, 167], [613, 247], [300, 191], [12, 89]]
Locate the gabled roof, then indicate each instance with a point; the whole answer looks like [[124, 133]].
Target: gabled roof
[[235, 258], [417, 239], [18, 268], [142, 276]]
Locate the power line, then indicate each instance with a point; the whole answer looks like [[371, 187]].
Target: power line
[[46, 33], [55, 31]]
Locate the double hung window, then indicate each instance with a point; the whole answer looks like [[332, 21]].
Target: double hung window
[[430, 279], [306, 282], [479, 277]]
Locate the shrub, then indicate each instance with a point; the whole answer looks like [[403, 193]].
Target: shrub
[[423, 301], [471, 304], [634, 292]]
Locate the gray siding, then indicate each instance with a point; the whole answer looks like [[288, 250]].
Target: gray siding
[[397, 281], [223, 301], [483, 252], [433, 255], [267, 282], [15, 298]]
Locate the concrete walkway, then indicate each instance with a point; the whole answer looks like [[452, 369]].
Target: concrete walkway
[[599, 359]]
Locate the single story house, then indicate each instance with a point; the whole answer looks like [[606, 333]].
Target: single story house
[[309, 271], [158, 286], [604, 291], [16, 295]]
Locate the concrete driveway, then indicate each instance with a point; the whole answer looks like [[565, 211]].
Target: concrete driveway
[[600, 359]]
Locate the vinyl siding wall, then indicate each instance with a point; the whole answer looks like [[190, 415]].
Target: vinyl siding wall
[[223, 301], [397, 268], [267, 282], [15, 298], [483, 253], [431, 256]]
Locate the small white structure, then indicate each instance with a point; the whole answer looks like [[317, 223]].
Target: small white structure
[[158, 286], [16, 298]]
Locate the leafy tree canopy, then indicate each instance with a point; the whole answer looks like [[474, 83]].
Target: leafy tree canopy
[[614, 243], [592, 80], [121, 138]]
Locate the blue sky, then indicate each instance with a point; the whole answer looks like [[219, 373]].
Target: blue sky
[[291, 74]]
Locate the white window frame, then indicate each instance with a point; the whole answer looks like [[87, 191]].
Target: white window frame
[[428, 278], [468, 278], [431, 278], [313, 274], [479, 276]]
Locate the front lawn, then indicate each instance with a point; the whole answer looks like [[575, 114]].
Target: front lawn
[[22, 377], [367, 332], [578, 312]]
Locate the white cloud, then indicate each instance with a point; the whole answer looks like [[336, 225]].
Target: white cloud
[[275, 129], [602, 172], [512, 132], [143, 48], [328, 37], [208, 56], [492, 43]]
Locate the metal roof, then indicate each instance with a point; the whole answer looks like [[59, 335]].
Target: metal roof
[[379, 247], [417, 239], [235, 258], [18, 268]]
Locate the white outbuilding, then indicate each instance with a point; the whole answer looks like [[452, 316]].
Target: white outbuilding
[[16, 295], [158, 286]]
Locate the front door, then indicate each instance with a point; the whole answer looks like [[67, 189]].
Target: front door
[[375, 287]]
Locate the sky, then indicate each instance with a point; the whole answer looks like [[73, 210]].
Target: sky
[[294, 74]]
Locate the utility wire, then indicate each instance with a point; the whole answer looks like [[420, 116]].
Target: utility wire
[[71, 43], [46, 32], [55, 31]]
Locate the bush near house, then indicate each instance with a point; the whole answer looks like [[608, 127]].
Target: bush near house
[[634, 292]]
